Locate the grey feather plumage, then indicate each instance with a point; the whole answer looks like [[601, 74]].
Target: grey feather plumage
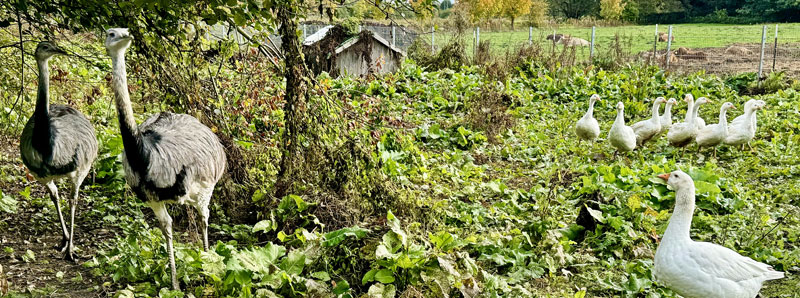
[[72, 140], [58, 141], [179, 150], [170, 158]]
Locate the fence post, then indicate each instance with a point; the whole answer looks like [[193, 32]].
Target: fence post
[[394, 33], [474, 41], [655, 46], [761, 59], [554, 40], [669, 45], [433, 40], [304, 32], [477, 36], [530, 35], [775, 49], [591, 47]]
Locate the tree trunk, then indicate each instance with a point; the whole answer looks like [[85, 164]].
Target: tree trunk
[[512, 23], [294, 100]]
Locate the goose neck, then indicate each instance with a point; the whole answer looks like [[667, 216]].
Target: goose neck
[[680, 222], [689, 111]]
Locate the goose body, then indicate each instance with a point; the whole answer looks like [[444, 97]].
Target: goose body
[[647, 129], [622, 136], [666, 117], [701, 269], [57, 142], [587, 127], [714, 134], [743, 129], [681, 134]]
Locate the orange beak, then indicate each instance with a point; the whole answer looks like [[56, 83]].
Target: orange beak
[[664, 176], [733, 107]]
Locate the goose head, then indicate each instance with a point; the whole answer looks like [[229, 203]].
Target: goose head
[[595, 98], [727, 106], [672, 101], [678, 181], [45, 50], [660, 100], [620, 107], [117, 40], [702, 100], [759, 104], [688, 98]]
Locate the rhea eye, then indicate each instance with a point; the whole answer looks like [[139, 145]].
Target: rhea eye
[[112, 34]]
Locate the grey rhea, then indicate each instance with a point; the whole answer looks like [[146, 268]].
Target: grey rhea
[[169, 158], [57, 142]]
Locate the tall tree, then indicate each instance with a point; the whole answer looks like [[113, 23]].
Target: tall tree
[[574, 8], [611, 9], [513, 9]]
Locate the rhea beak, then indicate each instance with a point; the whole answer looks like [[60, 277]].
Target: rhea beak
[[664, 176]]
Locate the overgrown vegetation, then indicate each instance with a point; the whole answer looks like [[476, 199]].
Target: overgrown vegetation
[[429, 182]]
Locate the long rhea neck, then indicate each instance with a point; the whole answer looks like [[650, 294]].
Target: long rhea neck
[[119, 81], [681, 221], [41, 115], [42, 112]]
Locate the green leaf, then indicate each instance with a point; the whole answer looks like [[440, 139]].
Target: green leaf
[[336, 237], [369, 276], [381, 291], [341, 287], [384, 276], [294, 262], [264, 225]]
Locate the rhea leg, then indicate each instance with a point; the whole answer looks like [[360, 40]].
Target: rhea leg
[[73, 204], [51, 186], [160, 209], [202, 208]]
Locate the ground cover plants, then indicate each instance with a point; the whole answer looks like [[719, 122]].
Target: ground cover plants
[[439, 183]]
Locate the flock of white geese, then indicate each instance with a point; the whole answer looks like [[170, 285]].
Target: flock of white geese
[[625, 138], [691, 268]]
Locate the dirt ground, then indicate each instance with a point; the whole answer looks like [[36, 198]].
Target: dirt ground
[[717, 61], [35, 227]]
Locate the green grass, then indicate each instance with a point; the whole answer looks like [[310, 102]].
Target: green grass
[[641, 37]]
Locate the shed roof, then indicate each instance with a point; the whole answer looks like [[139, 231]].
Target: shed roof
[[321, 33], [353, 40]]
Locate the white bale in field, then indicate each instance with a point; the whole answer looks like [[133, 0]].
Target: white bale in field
[[570, 41]]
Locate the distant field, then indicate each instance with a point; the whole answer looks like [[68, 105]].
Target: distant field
[[640, 38], [711, 39]]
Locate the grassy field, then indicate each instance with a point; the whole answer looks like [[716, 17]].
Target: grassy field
[[640, 38]]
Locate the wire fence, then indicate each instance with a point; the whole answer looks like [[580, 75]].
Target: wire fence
[[723, 49], [719, 49]]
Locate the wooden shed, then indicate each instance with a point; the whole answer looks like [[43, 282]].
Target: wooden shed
[[333, 50]]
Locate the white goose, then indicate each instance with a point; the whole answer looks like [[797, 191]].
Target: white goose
[[622, 136], [666, 117], [681, 134], [701, 269], [647, 129], [712, 135], [699, 122], [743, 129], [587, 127]]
